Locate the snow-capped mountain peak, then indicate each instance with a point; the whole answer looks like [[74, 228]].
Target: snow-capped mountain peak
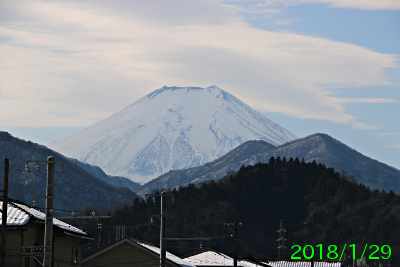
[[170, 128]]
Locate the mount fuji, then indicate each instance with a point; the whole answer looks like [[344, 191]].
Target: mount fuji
[[170, 128]]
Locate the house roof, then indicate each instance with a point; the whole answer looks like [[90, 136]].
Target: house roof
[[214, 258], [169, 256], [152, 250], [19, 214], [210, 258], [304, 264]]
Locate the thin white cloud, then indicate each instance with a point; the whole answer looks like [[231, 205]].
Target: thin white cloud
[[360, 4], [270, 11], [70, 63], [388, 134], [363, 126], [394, 146], [365, 100], [356, 4], [282, 22]]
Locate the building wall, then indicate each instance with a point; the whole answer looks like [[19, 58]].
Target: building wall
[[64, 248], [13, 245], [17, 238], [124, 253], [34, 236]]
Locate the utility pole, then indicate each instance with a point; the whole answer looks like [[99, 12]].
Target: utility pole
[[235, 248], [163, 226], [48, 227], [4, 211], [236, 237], [163, 229]]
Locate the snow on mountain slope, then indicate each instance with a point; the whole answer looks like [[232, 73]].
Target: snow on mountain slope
[[171, 128]]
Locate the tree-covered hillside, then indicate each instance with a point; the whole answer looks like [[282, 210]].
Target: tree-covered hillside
[[77, 185], [316, 204]]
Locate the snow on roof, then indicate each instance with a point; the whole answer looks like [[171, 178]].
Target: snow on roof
[[290, 264], [15, 217], [327, 264], [169, 256], [248, 264], [304, 264], [213, 258], [208, 258], [19, 214]]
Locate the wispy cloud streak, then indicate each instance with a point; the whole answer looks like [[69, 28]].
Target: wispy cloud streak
[[71, 63], [363, 126], [357, 4]]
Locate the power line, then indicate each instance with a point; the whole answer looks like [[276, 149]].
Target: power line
[[249, 249], [108, 187], [41, 208], [86, 190], [130, 226], [77, 186], [69, 197], [104, 191], [261, 240]]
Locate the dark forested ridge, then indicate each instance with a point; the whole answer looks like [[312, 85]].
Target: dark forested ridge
[[78, 186], [319, 147], [316, 204]]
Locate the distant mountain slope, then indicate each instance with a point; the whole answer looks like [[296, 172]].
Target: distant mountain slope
[[76, 188], [319, 147], [171, 128], [116, 181], [210, 171]]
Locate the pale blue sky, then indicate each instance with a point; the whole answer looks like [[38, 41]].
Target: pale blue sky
[[328, 66], [378, 30]]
